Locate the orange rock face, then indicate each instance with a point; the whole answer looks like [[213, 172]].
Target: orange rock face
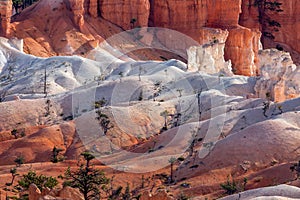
[[82, 25], [241, 48], [289, 19], [121, 13], [5, 14], [190, 17], [242, 44]]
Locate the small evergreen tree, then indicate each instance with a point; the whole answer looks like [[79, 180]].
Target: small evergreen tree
[[127, 195], [172, 160], [55, 157], [14, 173], [87, 179], [104, 121], [19, 161], [16, 5], [165, 114], [132, 22], [230, 187], [296, 168], [14, 132]]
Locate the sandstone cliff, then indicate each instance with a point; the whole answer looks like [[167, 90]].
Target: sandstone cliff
[[289, 19], [83, 24]]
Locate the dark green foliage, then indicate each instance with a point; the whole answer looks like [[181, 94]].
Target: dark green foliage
[[102, 102], [266, 106], [19, 161], [41, 181], [104, 121], [180, 159], [18, 133], [127, 195], [14, 173], [14, 132], [55, 157], [296, 168], [165, 114], [182, 196], [87, 179], [230, 187], [132, 22], [17, 4], [116, 193]]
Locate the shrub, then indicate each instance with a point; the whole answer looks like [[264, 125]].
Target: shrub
[[230, 187], [19, 161], [41, 181]]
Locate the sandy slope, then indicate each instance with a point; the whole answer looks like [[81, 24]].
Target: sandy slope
[[232, 133]]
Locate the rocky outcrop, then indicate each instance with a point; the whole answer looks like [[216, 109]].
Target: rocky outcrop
[[66, 193], [77, 9], [5, 14], [190, 17], [242, 46], [93, 8], [192, 14], [280, 77], [122, 13], [210, 56], [287, 36]]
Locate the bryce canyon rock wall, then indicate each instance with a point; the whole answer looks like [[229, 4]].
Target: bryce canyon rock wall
[[190, 17]]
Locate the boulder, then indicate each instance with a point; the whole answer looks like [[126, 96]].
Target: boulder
[[34, 192], [70, 193]]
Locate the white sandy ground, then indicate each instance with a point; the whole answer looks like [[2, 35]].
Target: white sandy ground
[[279, 192]]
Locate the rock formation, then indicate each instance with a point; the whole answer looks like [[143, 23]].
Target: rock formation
[[66, 193], [289, 19], [280, 77], [77, 9], [190, 17], [210, 56], [241, 48], [122, 13], [5, 14]]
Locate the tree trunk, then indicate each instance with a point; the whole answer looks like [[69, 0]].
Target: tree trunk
[[171, 172]]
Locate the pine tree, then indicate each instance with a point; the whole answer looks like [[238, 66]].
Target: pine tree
[[87, 179]]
